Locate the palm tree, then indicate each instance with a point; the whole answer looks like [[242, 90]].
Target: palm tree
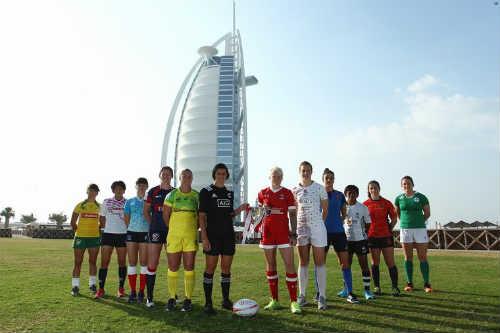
[[26, 219], [8, 212], [59, 218]]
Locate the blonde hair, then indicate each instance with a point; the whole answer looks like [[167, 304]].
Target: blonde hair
[[276, 169]]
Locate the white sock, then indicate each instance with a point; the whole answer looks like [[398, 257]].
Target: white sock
[[303, 277], [321, 278], [92, 280], [75, 282], [132, 270], [144, 269]]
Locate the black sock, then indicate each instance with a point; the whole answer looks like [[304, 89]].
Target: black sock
[[103, 272], [208, 283], [150, 285], [366, 280], [225, 284], [122, 274], [393, 272], [376, 275]]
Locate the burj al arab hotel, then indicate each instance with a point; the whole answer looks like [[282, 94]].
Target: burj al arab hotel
[[208, 120]]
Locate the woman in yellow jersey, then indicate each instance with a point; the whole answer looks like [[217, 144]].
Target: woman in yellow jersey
[[85, 224], [180, 213]]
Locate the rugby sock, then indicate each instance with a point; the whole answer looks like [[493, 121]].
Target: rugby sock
[[272, 279], [150, 282], [409, 271], [188, 283], [347, 274], [142, 278], [75, 282], [366, 280], [316, 287], [122, 273], [172, 283], [291, 284], [132, 278], [393, 272], [303, 277], [225, 284], [376, 275], [321, 275], [92, 280], [208, 283], [103, 272], [424, 268]]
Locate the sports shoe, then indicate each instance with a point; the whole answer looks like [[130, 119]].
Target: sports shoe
[[343, 293], [186, 305], [177, 299], [75, 291], [295, 308], [369, 295], [120, 293], [377, 291], [427, 288], [209, 309], [302, 300], [396, 292], [132, 298], [409, 287], [351, 298], [170, 305], [140, 297], [227, 304], [150, 303], [99, 293], [93, 289], [321, 303], [272, 305], [316, 298]]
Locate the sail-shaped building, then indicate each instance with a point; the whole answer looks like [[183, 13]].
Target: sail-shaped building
[[208, 120]]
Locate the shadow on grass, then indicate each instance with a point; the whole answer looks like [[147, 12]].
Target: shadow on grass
[[452, 303]]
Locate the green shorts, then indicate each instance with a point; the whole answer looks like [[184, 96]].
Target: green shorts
[[86, 242]]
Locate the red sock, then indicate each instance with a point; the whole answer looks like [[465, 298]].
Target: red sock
[[291, 284], [142, 282], [272, 279], [131, 281]]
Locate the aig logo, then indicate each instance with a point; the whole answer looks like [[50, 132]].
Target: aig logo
[[223, 203]]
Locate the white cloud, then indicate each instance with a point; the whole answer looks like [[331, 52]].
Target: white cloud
[[422, 84]]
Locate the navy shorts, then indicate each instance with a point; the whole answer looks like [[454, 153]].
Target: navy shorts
[[380, 242], [114, 240], [158, 237], [338, 240], [358, 247], [137, 237]]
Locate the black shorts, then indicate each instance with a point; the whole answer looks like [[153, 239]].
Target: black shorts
[[114, 240], [338, 240], [137, 237], [380, 242], [224, 245], [358, 247], [157, 237]]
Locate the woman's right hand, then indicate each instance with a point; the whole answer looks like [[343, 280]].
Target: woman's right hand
[[206, 245]]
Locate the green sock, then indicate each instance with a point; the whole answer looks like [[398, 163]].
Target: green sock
[[409, 271], [424, 268]]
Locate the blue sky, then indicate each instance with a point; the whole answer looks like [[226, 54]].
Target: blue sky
[[372, 90]]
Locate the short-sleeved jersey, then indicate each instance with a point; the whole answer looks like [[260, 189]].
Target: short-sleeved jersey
[[217, 203], [308, 199], [88, 219], [381, 211], [134, 209], [278, 202], [112, 210], [411, 208], [184, 214], [334, 223], [156, 198], [356, 221]]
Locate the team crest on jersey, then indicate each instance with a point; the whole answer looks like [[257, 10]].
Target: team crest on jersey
[[223, 203], [214, 196], [416, 199], [229, 195]]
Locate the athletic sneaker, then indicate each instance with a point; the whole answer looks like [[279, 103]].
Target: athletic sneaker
[[396, 292], [427, 288], [140, 297], [132, 298], [120, 293], [186, 305], [321, 303], [272, 305], [409, 287], [93, 289], [99, 294], [177, 299], [302, 300], [343, 293], [377, 291], [75, 291], [295, 308], [369, 295], [170, 305], [351, 298], [227, 304], [209, 309], [150, 303], [316, 298]]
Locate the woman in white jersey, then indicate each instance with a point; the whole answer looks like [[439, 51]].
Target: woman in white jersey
[[312, 209]]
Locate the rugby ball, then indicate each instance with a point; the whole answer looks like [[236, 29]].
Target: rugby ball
[[245, 307]]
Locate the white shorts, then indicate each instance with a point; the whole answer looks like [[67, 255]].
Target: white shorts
[[314, 234], [414, 235], [274, 246]]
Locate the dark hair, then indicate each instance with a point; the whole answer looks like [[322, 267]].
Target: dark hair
[[328, 172], [408, 178], [141, 180], [93, 187], [374, 183], [351, 188], [220, 166], [118, 183], [305, 163], [167, 168]]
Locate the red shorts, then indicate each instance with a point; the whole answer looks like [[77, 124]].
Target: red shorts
[[274, 235]]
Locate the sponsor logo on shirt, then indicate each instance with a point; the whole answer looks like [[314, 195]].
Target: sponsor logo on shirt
[[89, 215], [223, 203]]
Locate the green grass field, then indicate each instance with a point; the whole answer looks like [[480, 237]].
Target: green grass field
[[35, 280]]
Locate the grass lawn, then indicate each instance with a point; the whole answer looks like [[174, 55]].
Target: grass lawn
[[35, 280]]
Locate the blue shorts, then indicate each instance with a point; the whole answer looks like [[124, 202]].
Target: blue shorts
[[338, 240]]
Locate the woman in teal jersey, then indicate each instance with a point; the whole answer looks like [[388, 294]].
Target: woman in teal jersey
[[413, 211]]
